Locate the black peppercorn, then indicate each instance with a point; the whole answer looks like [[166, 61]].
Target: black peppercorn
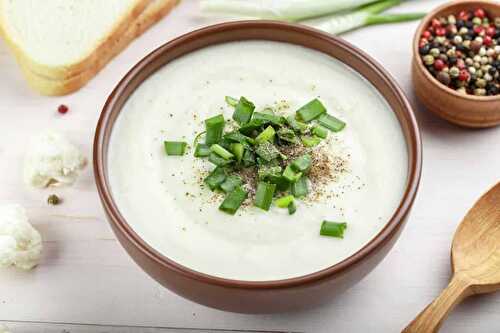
[[452, 60], [460, 24], [424, 49], [469, 25], [492, 70]]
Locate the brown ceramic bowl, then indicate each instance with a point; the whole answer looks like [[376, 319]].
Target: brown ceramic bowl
[[460, 109], [265, 296]]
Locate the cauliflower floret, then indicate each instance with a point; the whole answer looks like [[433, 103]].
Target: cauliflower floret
[[20, 243], [52, 160]]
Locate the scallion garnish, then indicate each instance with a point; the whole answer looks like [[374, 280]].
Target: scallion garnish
[[267, 151], [231, 101], [320, 131], [215, 178], [302, 163], [300, 188], [218, 160], [263, 147], [285, 201], [330, 122], [290, 174], [214, 128], [310, 141], [230, 183], [292, 208], [333, 229], [243, 111], [311, 110], [175, 148], [265, 135], [221, 151], [201, 150], [238, 149], [264, 195], [233, 200]]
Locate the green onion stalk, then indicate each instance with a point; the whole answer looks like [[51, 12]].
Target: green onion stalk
[[364, 16], [292, 10]]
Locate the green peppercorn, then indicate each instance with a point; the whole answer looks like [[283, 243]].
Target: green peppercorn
[[428, 60], [463, 31], [472, 70], [480, 92], [477, 21], [454, 72], [497, 22], [484, 60], [462, 90], [53, 200], [477, 65], [452, 19], [488, 77], [434, 52], [469, 62], [480, 83], [479, 73]]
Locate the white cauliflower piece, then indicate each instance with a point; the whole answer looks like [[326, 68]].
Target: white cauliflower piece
[[52, 160], [20, 243]]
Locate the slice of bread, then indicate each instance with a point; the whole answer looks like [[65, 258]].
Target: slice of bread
[[54, 87], [62, 38]]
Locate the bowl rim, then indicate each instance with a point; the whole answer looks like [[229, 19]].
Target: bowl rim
[[424, 23], [373, 245]]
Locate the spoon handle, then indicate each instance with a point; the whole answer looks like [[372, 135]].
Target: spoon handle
[[432, 317]]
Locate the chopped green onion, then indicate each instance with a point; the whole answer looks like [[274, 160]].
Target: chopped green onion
[[233, 200], [238, 137], [266, 135], [218, 160], [333, 229], [197, 137], [267, 151], [215, 178], [266, 171], [231, 101], [332, 123], [176, 148], [292, 208], [291, 175], [264, 195], [310, 141], [287, 134], [248, 158], [300, 188], [268, 118], [320, 131], [302, 163], [230, 183], [201, 150], [238, 150], [284, 202], [214, 127], [252, 126], [297, 126], [311, 110], [243, 111], [222, 152], [282, 184]]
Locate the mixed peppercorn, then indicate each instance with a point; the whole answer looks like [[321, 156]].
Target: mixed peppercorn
[[463, 52]]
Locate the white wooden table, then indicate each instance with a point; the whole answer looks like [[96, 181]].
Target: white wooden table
[[87, 283]]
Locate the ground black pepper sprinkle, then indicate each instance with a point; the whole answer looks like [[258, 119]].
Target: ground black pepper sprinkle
[[463, 52]]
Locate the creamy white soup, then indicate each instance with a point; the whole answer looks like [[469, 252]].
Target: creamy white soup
[[161, 198]]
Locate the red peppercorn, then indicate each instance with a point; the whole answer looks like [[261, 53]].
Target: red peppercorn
[[479, 13], [463, 75], [478, 29], [459, 54], [435, 23], [490, 31], [487, 40], [439, 64], [460, 63], [62, 109], [463, 15], [441, 31], [426, 34]]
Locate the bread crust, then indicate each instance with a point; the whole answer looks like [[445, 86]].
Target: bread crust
[[54, 87], [84, 64]]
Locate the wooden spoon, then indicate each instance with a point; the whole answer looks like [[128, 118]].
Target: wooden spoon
[[475, 259]]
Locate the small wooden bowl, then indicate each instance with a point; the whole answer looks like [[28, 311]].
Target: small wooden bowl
[[464, 110]]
